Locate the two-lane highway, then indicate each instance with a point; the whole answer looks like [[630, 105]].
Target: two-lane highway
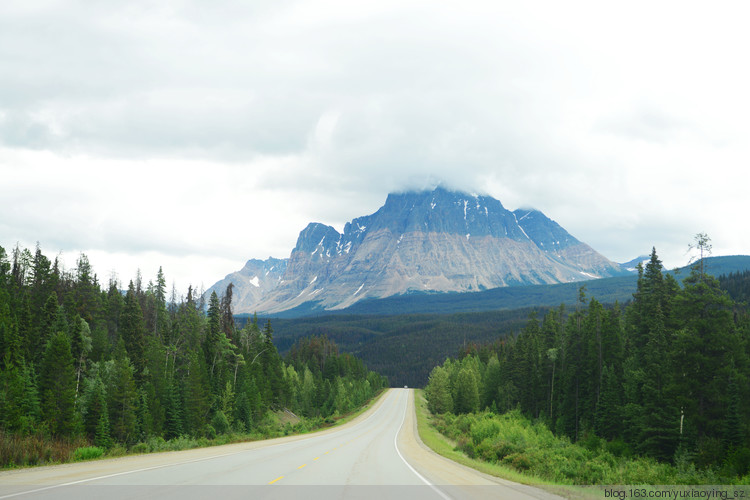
[[376, 455]]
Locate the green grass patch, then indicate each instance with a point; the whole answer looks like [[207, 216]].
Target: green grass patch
[[87, 453]]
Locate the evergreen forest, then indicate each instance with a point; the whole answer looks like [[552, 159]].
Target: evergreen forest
[[83, 365], [665, 380]]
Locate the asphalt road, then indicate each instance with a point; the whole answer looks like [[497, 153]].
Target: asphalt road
[[377, 455]]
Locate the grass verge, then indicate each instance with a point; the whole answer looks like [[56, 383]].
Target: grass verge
[[513, 447], [446, 447]]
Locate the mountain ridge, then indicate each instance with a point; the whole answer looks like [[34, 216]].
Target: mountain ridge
[[437, 241]]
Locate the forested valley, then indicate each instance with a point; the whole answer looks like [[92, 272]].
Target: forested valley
[[656, 393], [86, 370]]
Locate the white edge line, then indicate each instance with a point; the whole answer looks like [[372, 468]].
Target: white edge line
[[420, 476]]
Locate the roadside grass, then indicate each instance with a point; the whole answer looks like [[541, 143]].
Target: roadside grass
[[35, 449], [87, 453], [448, 448], [511, 446], [28, 451], [274, 425]]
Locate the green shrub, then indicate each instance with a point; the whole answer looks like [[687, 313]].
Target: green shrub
[[140, 448], [466, 446], [590, 441], [486, 451], [156, 444], [504, 448], [209, 431], [619, 448], [738, 462], [484, 429], [220, 422], [464, 422], [87, 453], [117, 450], [519, 461]]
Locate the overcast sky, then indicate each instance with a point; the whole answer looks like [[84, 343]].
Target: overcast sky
[[196, 135]]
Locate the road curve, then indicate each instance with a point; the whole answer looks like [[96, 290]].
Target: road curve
[[377, 455]]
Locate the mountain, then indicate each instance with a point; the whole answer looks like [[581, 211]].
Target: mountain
[[425, 241], [404, 336], [605, 290], [631, 265], [253, 281]]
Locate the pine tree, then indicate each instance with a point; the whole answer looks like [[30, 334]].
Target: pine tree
[[46, 326], [57, 386], [197, 395], [11, 347], [660, 420], [115, 304], [702, 352], [86, 290], [4, 270], [608, 418], [102, 436], [96, 406], [131, 329], [227, 318], [122, 399], [11, 394], [162, 319], [255, 402], [173, 413], [734, 432]]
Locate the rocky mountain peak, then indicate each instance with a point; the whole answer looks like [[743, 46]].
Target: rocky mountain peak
[[428, 241]]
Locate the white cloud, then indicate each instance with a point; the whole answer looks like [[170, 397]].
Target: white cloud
[[185, 132]]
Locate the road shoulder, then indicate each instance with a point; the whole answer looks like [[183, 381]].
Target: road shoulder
[[449, 474], [80, 472]]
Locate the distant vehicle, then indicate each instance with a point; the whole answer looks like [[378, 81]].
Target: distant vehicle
[[406, 387]]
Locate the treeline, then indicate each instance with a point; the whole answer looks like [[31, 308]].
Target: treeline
[[403, 347], [737, 285], [665, 378], [81, 361], [325, 382]]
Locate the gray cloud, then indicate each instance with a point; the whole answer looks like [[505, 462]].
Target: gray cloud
[[249, 119]]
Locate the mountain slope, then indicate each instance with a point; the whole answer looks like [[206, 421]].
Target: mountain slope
[[605, 290], [252, 282], [426, 241]]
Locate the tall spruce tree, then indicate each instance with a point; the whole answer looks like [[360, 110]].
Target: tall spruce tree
[[122, 399], [57, 386], [131, 328], [660, 420], [702, 352]]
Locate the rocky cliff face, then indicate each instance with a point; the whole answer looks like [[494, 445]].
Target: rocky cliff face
[[251, 283], [429, 241]]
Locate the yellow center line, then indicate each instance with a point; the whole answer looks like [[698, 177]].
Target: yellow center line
[[326, 453], [277, 479], [316, 458], [301, 466]]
